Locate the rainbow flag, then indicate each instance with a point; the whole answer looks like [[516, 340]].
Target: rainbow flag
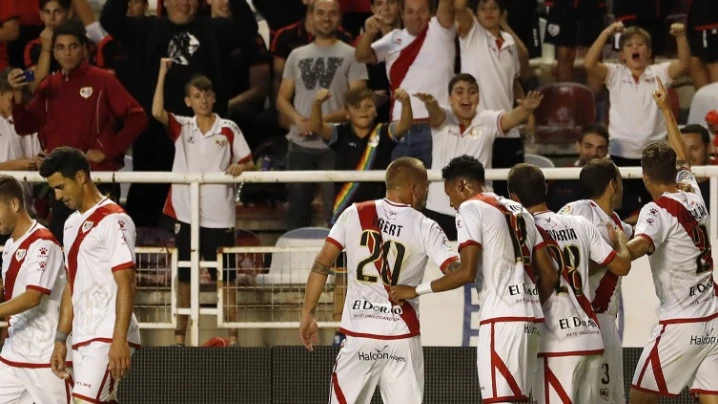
[[345, 195]]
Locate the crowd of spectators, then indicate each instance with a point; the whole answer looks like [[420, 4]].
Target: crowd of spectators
[[337, 84]]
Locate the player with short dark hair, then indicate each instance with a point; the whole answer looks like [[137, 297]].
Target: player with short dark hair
[[571, 346], [33, 280], [673, 231], [99, 296], [501, 252], [388, 242], [603, 188]]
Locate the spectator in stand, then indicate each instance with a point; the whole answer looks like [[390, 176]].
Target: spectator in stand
[[17, 153], [703, 37], [698, 141], [325, 63], [493, 54], [30, 26], [592, 144], [360, 144], [646, 14], [280, 13], [9, 29], [465, 129], [52, 13], [419, 59], [200, 45], [81, 107], [204, 143], [248, 79], [354, 13], [387, 16], [634, 120], [111, 55]]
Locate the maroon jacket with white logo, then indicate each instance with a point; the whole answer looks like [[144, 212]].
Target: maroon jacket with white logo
[[83, 109]]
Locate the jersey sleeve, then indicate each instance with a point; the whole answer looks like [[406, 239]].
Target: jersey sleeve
[[628, 229], [357, 71], [119, 236], [43, 266], [662, 72], [468, 225], [338, 233], [437, 245], [652, 226], [491, 121], [612, 75], [685, 176], [290, 66], [446, 34], [600, 251], [240, 149], [382, 46], [174, 125]]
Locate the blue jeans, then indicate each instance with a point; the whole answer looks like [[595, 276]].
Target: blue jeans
[[416, 143]]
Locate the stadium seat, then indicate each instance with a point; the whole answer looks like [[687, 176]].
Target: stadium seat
[[249, 264], [292, 268], [539, 161], [566, 108]]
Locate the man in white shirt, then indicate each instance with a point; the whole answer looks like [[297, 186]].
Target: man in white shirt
[[387, 242], [33, 282], [672, 230], [494, 54], [571, 344], [602, 183], [464, 130], [99, 295], [419, 59]]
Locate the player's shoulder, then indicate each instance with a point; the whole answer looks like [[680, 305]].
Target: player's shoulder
[[576, 208], [226, 124]]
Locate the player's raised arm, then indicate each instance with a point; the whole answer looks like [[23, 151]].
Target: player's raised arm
[[64, 328], [675, 140], [308, 329], [592, 60]]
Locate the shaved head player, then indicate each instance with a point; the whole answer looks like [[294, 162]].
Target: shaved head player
[[387, 241]]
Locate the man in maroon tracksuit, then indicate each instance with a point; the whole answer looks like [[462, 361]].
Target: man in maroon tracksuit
[[80, 106]]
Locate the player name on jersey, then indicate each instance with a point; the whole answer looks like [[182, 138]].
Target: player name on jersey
[[562, 235]]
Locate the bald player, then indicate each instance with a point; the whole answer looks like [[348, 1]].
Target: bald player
[[392, 246]]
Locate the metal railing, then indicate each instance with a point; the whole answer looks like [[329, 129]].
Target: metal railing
[[196, 179]]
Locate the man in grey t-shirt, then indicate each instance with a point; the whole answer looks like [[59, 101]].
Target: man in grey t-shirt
[[324, 63]]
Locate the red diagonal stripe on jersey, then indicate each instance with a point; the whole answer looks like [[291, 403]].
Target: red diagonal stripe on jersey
[[16, 264], [368, 219], [689, 223], [491, 201], [406, 58], [95, 218], [604, 291]]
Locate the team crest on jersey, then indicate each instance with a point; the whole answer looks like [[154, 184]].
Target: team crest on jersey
[[221, 143], [86, 92], [474, 133], [604, 394], [20, 254], [553, 29], [87, 226]]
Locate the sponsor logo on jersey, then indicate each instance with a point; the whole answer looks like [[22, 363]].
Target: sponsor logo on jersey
[[378, 355], [376, 307], [704, 339]]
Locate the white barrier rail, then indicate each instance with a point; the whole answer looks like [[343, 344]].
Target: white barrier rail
[[196, 179]]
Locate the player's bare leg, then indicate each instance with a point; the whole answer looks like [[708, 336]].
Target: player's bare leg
[[230, 298], [699, 73], [708, 398], [565, 58], [183, 298], [642, 397]]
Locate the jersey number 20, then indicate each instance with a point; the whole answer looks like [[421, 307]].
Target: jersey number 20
[[380, 252]]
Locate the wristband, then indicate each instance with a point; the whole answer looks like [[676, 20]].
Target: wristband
[[60, 337], [424, 288]]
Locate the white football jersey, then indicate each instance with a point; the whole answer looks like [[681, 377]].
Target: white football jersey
[[507, 236], [98, 243], [386, 244], [680, 257], [571, 325], [605, 285], [32, 262]]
